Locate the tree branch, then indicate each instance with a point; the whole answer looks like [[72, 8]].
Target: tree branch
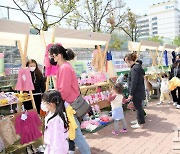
[[86, 21], [27, 16], [104, 11], [126, 32], [34, 14], [49, 4], [91, 16], [59, 19]]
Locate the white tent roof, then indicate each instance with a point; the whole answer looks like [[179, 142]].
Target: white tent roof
[[143, 45], [177, 49], [133, 46], [13, 30]]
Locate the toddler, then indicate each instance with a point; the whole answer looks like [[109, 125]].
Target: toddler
[[116, 98], [164, 89]]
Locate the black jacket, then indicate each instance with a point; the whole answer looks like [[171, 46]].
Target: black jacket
[[171, 75], [136, 82], [39, 83]]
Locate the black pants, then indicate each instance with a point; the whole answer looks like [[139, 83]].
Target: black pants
[[71, 142], [139, 109], [174, 95], [71, 145], [28, 104]]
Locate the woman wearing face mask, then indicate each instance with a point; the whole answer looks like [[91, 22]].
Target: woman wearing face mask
[[39, 84], [67, 85], [175, 72], [136, 88]]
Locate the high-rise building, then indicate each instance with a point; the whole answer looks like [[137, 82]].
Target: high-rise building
[[163, 20]]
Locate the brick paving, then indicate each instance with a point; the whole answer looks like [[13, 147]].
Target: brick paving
[[155, 137]]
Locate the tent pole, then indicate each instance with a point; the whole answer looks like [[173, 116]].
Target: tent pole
[[21, 52], [25, 47], [43, 38], [52, 41], [139, 48]]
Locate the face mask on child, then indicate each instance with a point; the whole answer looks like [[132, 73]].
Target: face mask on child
[[32, 69], [44, 107]]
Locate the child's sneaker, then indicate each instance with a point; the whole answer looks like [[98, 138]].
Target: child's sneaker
[[175, 103], [115, 133], [178, 107], [159, 103], [123, 131]]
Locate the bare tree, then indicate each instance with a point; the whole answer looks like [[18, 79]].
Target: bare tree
[[130, 26], [65, 7], [96, 12]]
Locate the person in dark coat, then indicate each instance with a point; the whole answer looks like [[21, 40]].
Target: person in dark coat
[[175, 72], [39, 84], [136, 88]]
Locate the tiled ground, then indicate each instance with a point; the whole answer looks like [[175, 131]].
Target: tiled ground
[[156, 136]]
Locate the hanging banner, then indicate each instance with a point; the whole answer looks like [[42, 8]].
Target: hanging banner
[[2, 64]]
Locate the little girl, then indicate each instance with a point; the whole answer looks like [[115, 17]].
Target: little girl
[[116, 98], [164, 89], [56, 124]]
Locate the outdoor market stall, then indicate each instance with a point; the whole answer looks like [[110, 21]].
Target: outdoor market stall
[[12, 127], [153, 71], [70, 39], [17, 31]]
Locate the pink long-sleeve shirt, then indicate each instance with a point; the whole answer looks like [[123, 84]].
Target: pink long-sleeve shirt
[[55, 136], [67, 83]]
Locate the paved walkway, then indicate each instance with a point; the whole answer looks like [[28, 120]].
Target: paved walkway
[[156, 136]]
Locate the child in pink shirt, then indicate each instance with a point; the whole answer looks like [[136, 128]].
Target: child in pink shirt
[[56, 124]]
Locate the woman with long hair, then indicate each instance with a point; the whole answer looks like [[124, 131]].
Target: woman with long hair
[[39, 84], [67, 85]]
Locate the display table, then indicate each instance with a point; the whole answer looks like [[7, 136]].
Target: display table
[[96, 85]]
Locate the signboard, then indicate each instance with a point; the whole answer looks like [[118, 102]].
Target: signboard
[[120, 65], [79, 68], [1, 64]]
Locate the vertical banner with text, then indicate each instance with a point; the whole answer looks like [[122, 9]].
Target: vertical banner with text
[[1, 64]]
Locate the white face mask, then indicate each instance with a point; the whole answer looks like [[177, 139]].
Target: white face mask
[[32, 69], [44, 107]]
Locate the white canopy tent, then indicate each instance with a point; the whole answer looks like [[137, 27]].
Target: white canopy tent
[[143, 45], [35, 44], [67, 37], [16, 31]]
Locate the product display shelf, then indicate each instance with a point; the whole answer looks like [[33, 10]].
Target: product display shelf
[[85, 89], [15, 103], [92, 89], [18, 103]]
